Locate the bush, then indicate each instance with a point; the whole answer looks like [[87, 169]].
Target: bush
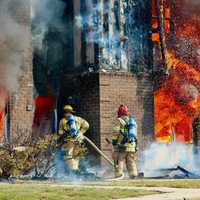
[[37, 157]]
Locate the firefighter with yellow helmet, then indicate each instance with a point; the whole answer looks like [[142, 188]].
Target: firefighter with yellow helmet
[[125, 143], [71, 130]]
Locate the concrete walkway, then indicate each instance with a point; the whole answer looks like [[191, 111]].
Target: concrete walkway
[[170, 194]]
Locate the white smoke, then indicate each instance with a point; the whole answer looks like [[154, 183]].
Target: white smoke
[[160, 157], [3, 99], [51, 36], [14, 42], [87, 171], [105, 33], [44, 14]]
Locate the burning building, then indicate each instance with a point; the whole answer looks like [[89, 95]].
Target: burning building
[[176, 102], [97, 54]]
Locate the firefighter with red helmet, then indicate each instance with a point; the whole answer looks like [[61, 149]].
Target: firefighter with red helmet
[[125, 143]]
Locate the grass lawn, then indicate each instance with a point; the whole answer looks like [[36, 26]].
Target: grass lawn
[[174, 183], [52, 191], [31, 191]]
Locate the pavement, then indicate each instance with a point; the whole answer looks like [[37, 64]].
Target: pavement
[[168, 193]]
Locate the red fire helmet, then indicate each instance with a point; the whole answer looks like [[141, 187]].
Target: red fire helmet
[[122, 111]]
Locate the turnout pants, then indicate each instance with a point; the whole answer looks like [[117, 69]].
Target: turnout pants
[[72, 154], [129, 158]]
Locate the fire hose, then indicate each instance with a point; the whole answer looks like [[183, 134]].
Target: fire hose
[[99, 151]]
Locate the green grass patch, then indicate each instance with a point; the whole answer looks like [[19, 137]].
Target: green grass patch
[[30, 191], [174, 183]]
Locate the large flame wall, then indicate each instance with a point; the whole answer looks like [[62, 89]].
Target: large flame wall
[[177, 101]]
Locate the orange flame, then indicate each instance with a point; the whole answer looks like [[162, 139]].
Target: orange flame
[[3, 101], [154, 21], [177, 102]]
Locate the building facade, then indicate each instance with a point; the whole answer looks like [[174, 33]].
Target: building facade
[[100, 54], [112, 65]]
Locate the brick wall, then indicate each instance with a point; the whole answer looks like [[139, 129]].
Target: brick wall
[[21, 102], [100, 96], [137, 94], [89, 108], [196, 131]]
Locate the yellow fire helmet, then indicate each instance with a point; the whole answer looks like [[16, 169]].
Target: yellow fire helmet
[[68, 108]]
